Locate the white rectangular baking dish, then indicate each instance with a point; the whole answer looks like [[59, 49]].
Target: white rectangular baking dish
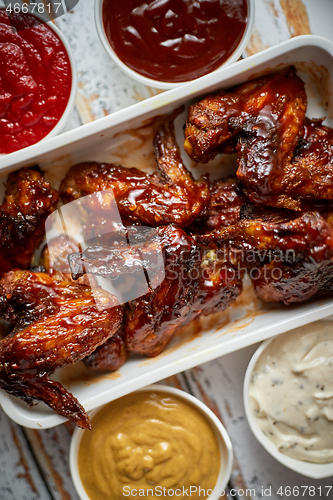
[[113, 138]]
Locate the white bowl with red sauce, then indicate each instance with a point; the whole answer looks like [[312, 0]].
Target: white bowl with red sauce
[[130, 38], [53, 86], [158, 393]]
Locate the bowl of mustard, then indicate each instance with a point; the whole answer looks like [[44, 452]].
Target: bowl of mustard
[[156, 442]]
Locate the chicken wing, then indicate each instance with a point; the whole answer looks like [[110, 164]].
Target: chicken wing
[[169, 196], [309, 175], [111, 355], [214, 123], [226, 199], [56, 323], [194, 282], [289, 255], [54, 259], [264, 121], [29, 200]]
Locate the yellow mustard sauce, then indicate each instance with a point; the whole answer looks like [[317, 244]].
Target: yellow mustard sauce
[[147, 444]]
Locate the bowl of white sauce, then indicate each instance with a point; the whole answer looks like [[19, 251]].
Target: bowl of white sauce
[[288, 398]]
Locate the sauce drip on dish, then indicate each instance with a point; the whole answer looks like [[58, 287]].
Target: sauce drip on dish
[[174, 40], [35, 80]]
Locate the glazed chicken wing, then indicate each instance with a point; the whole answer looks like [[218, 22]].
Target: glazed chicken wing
[[289, 255], [29, 200], [263, 121], [56, 323], [54, 260], [111, 355], [215, 122], [309, 175], [169, 196], [192, 282], [193, 286], [226, 200]]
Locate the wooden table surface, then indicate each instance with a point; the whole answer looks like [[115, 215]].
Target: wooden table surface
[[34, 464]]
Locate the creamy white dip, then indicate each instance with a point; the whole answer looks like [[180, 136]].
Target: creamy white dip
[[291, 392]]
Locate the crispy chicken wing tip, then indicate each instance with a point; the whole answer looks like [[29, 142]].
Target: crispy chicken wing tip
[[32, 388]]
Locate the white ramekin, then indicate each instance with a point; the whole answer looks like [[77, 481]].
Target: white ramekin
[[157, 83], [72, 96], [221, 435], [313, 470]]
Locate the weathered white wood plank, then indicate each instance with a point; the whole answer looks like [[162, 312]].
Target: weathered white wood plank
[[51, 450], [20, 478]]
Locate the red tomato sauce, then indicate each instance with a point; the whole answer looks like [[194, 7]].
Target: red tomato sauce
[[174, 40], [35, 80]]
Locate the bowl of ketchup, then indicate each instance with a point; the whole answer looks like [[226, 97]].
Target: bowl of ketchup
[[38, 80], [166, 43]]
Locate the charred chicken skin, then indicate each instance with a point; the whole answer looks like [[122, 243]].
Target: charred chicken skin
[[192, 283], [111, 355], [289, 255], [169, 196], [283, 157], [56, 323], [224, 207], [29, 200], [54, 260], [309, 175], [215, 122]]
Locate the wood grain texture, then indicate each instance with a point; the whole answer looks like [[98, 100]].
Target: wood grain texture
[[51, 450], [20, 478], [297, 17]]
